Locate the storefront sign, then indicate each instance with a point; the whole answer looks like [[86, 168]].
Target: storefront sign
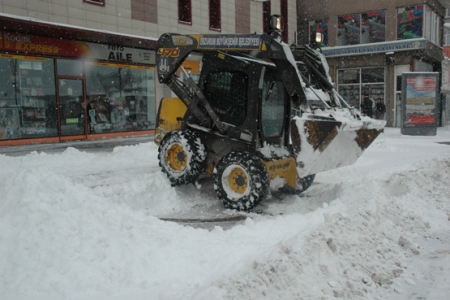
[[375, 48], [419, 94], [122, 54], [27, 44]]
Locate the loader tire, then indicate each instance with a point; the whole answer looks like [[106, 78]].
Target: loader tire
[[241, 180], [182, 156]]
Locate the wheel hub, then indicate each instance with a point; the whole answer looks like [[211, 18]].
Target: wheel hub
[[238, 180], [176, 157]]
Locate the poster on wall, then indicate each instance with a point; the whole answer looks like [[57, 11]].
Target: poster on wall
[[420, 100], [9, 123], [410, 22]]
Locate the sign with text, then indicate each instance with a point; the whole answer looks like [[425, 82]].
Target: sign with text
[[395, 46], [420, 100], [23, 43], [229, 41]]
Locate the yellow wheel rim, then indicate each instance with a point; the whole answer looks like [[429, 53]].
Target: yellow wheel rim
[[238, 180], [176, 157]]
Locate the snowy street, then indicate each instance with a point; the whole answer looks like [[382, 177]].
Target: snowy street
[[80, 224]]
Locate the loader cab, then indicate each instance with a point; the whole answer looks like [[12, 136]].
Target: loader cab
[[252, 98]]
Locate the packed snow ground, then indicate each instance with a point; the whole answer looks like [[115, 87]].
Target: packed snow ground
[[77, 225]]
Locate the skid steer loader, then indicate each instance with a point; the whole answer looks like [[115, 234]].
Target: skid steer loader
[[262, 116]]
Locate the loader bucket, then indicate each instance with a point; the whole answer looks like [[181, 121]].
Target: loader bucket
[[328, 141]]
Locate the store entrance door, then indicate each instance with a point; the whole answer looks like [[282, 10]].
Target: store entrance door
[[398, 110], [72, 108]]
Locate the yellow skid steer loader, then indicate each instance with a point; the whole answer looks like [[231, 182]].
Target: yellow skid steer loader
[[263, 115]]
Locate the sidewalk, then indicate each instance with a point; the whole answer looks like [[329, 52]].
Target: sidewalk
[[102, 145]]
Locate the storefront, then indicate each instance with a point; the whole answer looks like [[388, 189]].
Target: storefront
[[376, 70], [55, 89], [369, 50]]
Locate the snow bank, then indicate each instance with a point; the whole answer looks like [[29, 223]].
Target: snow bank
[[78, 225]]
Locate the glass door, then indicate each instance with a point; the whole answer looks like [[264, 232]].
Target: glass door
[[398, 110], [71, 102]]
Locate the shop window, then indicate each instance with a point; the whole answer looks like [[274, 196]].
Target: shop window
[[96, 2], [185, 11], [365, 28], [227, 95], [66, 67], [214, 15], [353, 84], [322, 26], [410, 22], [447, 38], [349, 30], [419, 21], [27, 98], [119, 98]]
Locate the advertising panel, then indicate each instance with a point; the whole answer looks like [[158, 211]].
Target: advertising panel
[[23, 43], [420, 100]]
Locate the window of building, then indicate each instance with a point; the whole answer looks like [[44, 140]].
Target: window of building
[[322, 26], [96, 2], [447, 38], [185, 11], [27, 98], [354, 83], [119, 97], [368, 27], [410, 22], [419, 21], [266, 15], [68, 67], [227, 94], [214, 15], [435, 25]]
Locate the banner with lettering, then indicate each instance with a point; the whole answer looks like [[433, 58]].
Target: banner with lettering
[[28, 44]]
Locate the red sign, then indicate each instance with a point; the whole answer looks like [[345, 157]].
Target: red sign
[[422, 83], [447, 51], [23, 44], [42, 45]]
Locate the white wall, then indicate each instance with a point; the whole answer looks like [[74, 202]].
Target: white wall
[[116, 16]]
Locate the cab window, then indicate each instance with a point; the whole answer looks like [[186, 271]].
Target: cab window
[[227, 94], [273, 107]]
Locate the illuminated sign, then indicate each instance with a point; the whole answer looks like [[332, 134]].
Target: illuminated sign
[[28, 44]]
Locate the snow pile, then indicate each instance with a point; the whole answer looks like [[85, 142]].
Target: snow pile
[[78, 225]]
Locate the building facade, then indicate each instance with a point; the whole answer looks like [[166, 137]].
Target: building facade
[[85, 69], [370, 44], [445, 88]]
